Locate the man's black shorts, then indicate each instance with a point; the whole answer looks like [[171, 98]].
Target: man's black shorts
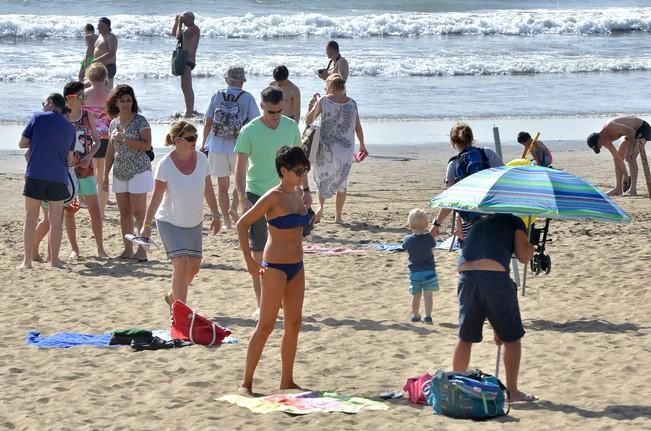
[[44, 190]]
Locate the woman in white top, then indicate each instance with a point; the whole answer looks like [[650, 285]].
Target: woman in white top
[[339, 125], [182, 182]]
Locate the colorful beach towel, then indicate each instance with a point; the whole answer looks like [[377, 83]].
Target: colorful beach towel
[[317, 249], [304, 403]]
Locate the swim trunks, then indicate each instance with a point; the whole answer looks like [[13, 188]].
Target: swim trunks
[[112, 70], [87, 61], [644, 131], [190, 64]]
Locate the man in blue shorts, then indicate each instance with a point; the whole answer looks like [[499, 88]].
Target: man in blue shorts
[[486, 291], [50, 139]]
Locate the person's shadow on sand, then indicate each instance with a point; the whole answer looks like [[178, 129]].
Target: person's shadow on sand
[[617, 412], [583, 325]]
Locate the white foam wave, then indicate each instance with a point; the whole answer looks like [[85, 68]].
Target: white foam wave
[[158, 67], [504, 22]]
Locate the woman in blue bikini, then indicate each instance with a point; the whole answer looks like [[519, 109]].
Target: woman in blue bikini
[[281, 270]]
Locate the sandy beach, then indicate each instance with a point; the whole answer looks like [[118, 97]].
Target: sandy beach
[[588, 323]]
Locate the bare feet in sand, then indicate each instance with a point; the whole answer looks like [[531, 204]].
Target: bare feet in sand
[[521, 397], [102, 254], [289, 386], [24, 266], [317, 215], [125, 255], [615, 192], [57, 263], [247, 391], [234, 216], [38, 258]]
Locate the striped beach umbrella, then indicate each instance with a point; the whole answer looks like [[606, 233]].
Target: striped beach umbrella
[[531, 191]]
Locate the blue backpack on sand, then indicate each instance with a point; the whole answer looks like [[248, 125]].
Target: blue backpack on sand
[[469, 395]]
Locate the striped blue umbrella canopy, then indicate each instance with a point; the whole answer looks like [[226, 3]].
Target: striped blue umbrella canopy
[[531, 191]]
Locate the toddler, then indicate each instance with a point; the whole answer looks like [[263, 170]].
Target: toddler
[[422, 270]]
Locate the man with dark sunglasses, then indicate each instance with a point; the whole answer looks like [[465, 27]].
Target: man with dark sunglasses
[[255, 169]]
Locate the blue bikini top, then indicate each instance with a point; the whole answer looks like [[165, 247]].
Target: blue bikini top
[[290, 221]]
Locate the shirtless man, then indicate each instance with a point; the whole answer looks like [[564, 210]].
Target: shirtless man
[[106, 46], [190, 37], [90, 38], [291, 93], [337, 63], [635, 132]]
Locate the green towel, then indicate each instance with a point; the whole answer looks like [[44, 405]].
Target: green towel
[[133, 332]]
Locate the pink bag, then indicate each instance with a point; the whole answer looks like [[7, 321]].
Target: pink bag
[[414, 388], [187, 324]]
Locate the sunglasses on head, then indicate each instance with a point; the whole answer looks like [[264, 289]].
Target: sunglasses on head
[[191, 138]]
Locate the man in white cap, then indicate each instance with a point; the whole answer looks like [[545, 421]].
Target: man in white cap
[[190, 40], [229, 110]]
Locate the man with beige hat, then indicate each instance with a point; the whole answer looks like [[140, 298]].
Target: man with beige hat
[[229, 110]]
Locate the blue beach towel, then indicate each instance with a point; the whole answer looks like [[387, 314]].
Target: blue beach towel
[[67, 339]]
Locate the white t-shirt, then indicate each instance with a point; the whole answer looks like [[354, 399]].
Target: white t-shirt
[[182, 203]]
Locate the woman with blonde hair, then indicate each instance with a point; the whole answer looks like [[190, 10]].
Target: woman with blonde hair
[[339, 125], [182, 181], [96, 96]]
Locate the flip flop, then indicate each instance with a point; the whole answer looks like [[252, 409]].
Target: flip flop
[[141, 240], [391, 395], [528, 398]]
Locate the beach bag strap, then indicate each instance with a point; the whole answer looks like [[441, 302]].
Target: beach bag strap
[[212, 327], [194, 314]]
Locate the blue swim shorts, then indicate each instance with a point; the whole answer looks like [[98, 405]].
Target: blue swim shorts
[[423, 280], [488, 295]]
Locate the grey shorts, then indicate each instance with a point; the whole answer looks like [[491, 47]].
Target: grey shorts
[[180, 241], [258, 230]]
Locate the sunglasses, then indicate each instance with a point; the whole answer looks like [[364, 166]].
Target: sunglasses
[[45, 102], [80, 96], [191, 138], [274, 112], [300, 172]]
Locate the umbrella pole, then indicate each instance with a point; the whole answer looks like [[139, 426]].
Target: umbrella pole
[[645, 167], [454, 235], [497, 362], [524, 275]]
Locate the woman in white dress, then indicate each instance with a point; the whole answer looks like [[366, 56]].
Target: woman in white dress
[[339, 125]]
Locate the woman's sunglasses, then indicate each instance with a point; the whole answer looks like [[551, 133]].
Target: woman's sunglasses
[[191, 138], [300, 172]]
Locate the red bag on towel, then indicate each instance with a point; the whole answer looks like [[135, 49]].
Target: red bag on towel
[[187, 324], [414, 388]]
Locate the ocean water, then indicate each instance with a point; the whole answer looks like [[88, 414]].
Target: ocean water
[[409, 59]]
